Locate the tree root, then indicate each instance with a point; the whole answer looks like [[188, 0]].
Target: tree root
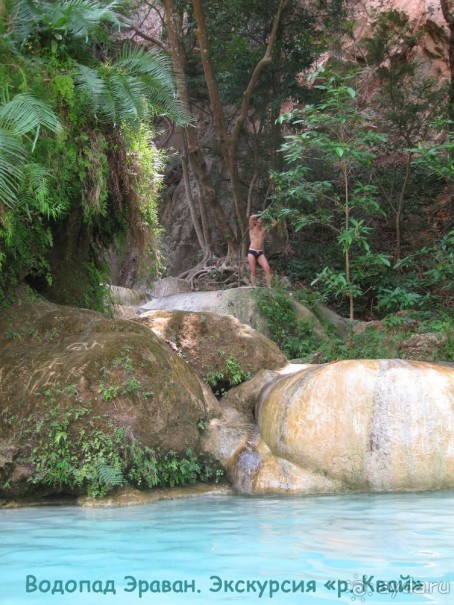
[[215, 274]]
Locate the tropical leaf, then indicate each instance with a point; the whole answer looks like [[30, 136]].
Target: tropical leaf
[[81, 17], [74, 18], [155, 70], [25, 17], [13, 155], [92, 85], [24, 114], [109, 476], [19, 117], [136, 86], [33, 194], [140, 62], [130, 96]]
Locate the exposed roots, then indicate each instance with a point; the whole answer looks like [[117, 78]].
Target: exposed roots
[[215, 274]]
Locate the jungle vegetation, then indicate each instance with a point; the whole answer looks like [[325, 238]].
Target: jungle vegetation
[[362, 183]]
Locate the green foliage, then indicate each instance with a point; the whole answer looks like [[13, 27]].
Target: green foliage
[[202, 424], [186, 468], [21, 120], [336, 133], [309, 297], [77, 452], [231, 375], [398, 299], [388, 340], [429, 274], [239, 33], [60, 23], [135, 86], [145, 164], [295, 338], [370, 344], [109, 476], [54, 76], [437, 159]]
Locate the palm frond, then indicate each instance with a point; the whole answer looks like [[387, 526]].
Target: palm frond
[[138, 61], [24, 114], [155, 70], [129, 95], [98, 93], [19, 117], [26, 16], [76, 18], [80, 18], [13, 155], [115, 95]]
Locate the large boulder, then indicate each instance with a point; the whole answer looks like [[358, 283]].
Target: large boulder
[[424, 346], [239, 302], [207, 341], [54, 359], [379, 425], [244, 396], [370, 425]]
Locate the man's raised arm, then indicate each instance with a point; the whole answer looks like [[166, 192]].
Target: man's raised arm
[[252, 219]]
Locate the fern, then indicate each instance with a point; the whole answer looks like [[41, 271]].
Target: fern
[[109, 476], [26, 15], [12, 156]]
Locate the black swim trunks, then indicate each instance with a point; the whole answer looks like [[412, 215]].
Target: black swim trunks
[[255, 253]]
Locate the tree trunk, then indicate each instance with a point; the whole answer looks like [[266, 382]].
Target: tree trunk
[[195, 156], [195, 220], [229, 144], [218, 117], [447, 8]]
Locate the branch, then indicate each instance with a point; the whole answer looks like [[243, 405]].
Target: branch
[[142, 34], [264, 62]]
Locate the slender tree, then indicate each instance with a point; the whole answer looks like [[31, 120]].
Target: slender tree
[[447, 8], [190, 146], [229, 141]]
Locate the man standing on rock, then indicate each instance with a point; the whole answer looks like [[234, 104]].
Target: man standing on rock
[[256, 254]]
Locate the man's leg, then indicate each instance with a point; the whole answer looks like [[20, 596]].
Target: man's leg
[[262, 261], [252, 267]]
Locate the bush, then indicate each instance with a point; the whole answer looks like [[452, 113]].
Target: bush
[[232, 375], [293, 337]]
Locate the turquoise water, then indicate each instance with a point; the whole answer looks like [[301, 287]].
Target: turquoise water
[[331, 541]]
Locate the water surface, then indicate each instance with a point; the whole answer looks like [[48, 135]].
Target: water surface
[[331, 540]]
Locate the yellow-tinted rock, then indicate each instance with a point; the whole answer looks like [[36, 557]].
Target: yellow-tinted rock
[[379, 425]]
